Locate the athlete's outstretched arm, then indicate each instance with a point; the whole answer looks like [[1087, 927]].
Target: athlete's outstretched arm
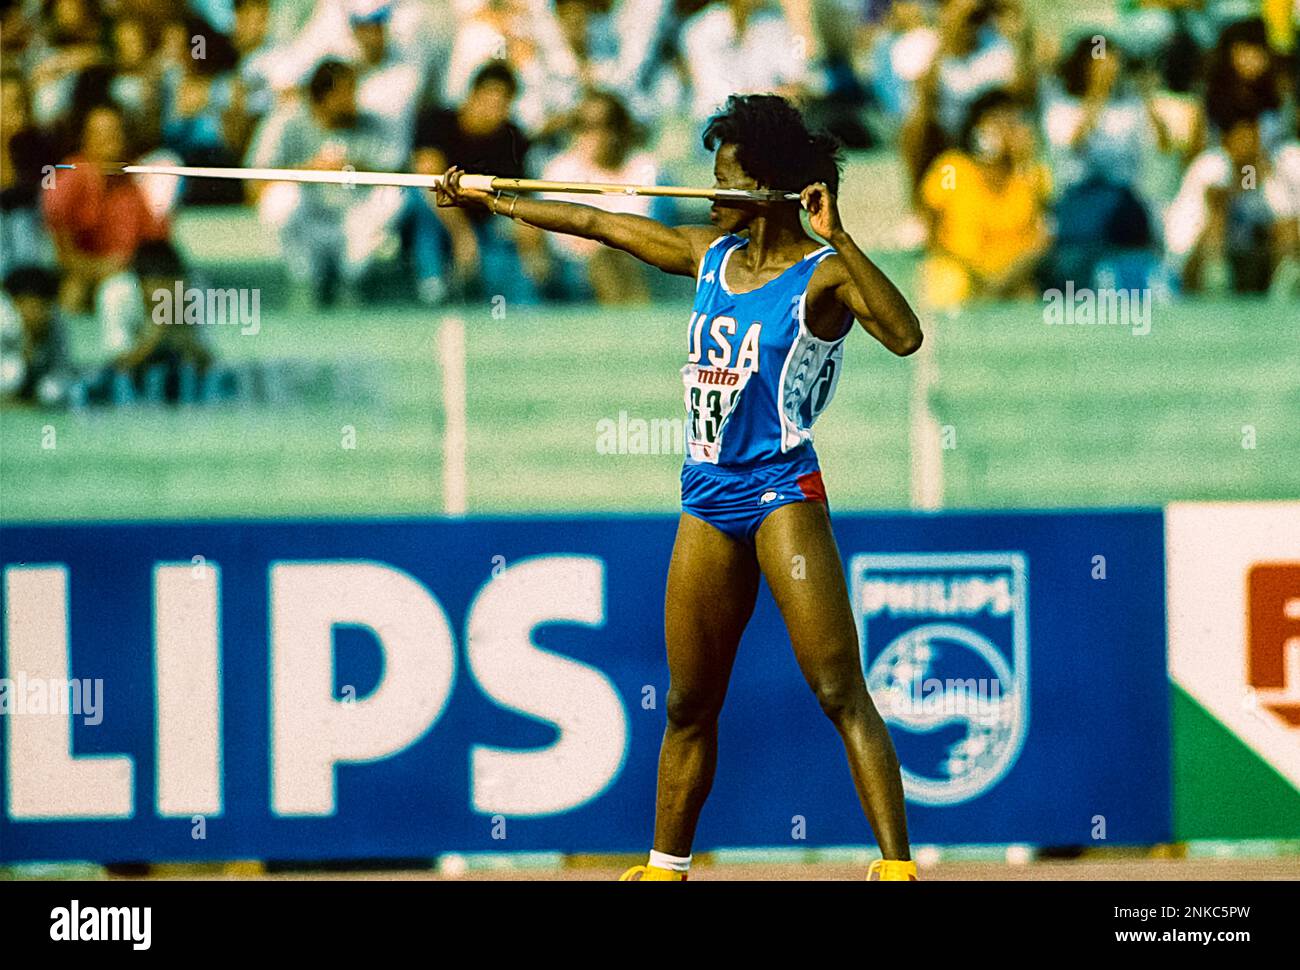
[[857, 283], [672, 249]]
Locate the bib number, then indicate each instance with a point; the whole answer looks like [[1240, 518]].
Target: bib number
[[711, 395]]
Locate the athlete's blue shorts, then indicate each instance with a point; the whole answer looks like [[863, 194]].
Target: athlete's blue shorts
[[738, 499]]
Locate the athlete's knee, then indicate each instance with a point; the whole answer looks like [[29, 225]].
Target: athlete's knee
[[691, 709], [842, 698]]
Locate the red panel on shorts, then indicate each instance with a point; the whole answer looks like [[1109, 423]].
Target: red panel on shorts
[[812, 487]]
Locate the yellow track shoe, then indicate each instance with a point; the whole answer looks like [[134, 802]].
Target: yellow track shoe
[[892, 870], [652, 874]]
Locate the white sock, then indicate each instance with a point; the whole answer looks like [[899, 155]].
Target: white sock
[[677, 863]]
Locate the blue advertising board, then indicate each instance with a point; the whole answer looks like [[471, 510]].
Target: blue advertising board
[[400, 689]]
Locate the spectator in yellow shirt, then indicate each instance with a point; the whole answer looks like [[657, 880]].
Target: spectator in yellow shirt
[[985, 204]]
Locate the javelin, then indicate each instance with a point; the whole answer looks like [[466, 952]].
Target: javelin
[[485, 183]]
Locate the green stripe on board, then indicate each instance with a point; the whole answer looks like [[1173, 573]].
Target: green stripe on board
[[1223, 789]]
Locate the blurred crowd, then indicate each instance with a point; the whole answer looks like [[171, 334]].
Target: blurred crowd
[[1162, 154], [1161, 150]]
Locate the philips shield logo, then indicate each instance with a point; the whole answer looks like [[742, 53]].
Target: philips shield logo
[[945, 648]]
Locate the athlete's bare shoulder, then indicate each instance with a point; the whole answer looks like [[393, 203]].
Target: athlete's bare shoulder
[[831, 273], [826, 280], [701, 238], [697, 239], [830, 294]]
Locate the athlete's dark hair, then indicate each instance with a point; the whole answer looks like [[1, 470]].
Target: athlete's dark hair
[[773, 144]]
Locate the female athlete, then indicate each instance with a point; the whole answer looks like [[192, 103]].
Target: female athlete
[[764, 349]]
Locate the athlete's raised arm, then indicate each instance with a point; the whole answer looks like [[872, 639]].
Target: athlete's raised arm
[[855, 282], [673, 249]]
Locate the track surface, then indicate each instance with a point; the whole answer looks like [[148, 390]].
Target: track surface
[[1136, 870]]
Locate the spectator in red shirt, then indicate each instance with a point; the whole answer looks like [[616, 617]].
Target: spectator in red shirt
[[97, 221]]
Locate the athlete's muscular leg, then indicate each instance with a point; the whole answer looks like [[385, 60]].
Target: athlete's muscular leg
[[811, 594], [712, 584]]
